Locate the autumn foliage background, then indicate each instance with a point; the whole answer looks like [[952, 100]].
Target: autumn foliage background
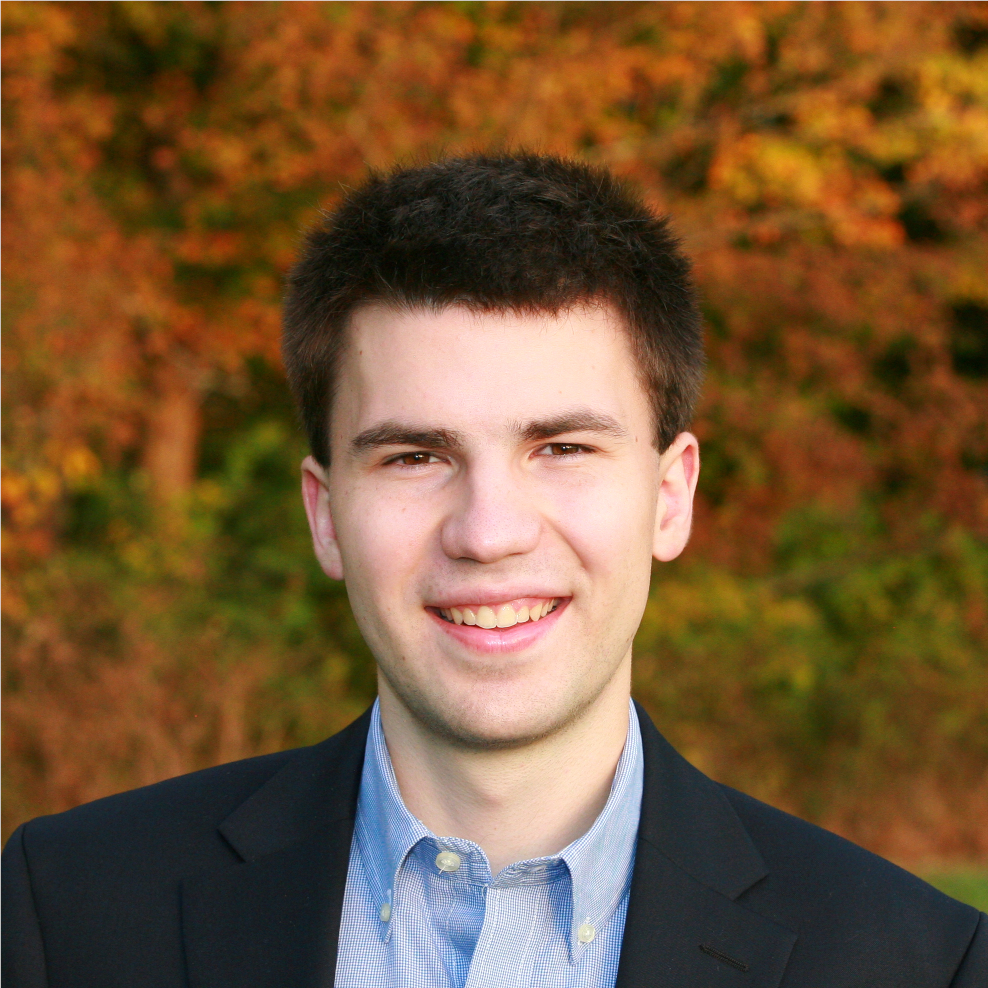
[[824, 642]]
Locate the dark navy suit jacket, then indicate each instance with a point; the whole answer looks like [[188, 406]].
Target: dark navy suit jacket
[[234, 877]]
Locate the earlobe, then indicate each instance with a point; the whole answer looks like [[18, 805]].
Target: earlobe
[[679, 471], [315, 496]]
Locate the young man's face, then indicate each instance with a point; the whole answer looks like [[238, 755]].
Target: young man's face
[[496, 469]]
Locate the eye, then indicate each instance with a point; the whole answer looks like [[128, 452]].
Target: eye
[[564, 449], [418, 459]]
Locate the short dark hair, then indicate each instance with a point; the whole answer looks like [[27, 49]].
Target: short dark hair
[[527, 233]]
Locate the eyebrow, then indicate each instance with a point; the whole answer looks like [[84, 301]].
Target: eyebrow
[[398, 434], [578, 420]]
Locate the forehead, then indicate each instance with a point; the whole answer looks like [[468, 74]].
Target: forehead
[[484, 372]]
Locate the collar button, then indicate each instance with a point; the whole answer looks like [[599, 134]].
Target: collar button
[[448, 861]]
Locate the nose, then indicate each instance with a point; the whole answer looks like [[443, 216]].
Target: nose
[[494, 516]]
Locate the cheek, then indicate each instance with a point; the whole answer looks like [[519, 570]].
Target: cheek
[[382, 540], [610, 528]]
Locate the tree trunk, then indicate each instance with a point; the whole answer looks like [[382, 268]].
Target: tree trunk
[[172, 449]]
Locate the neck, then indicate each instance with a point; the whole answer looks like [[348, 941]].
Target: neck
[[515, 803]]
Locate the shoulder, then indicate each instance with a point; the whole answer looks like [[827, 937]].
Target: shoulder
[[813, 860], [174, 812], [174, 823], [99, 887], [840, 898]]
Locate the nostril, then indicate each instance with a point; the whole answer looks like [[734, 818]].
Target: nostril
[[490, 531]]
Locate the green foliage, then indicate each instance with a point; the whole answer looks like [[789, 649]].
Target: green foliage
[[216, 638], [240, 566], [824, 678], [970, 885]]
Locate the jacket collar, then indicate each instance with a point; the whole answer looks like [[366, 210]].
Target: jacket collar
[[694, 861], [316, 788], [688, 818], [274, 919]]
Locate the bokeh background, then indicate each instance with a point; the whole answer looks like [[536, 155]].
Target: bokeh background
[[823, 644]]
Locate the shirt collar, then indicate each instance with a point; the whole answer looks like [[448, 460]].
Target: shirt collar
[[385, 830], [600, 862]]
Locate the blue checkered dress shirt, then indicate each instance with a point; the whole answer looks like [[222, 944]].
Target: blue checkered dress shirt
[[554, 921]]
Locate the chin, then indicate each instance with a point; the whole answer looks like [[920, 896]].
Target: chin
[[508, 722]]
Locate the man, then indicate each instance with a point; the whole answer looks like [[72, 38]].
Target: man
[[496, 361]]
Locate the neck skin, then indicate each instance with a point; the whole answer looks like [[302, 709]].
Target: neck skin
[[515, 803]]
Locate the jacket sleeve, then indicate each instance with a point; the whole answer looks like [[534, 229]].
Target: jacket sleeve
[[23, 949], [973, 971]]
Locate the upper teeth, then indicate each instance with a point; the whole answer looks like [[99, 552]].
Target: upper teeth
[[499, 616]]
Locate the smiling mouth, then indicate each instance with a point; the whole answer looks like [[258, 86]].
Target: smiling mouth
[[506, 615]]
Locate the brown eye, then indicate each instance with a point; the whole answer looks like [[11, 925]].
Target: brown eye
[[415, 459], [565, 449]]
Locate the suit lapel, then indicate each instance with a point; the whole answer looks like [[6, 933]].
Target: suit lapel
[[694, 859], [274, 919]]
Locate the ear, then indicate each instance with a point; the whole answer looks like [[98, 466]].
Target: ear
[[679, 469], [315, 495]]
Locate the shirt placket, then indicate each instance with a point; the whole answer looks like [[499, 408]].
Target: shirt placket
[[517, 919]]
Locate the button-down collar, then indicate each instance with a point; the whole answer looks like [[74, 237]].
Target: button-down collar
[[598, 864]]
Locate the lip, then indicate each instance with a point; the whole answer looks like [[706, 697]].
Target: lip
[[495, 640], [493, 598]]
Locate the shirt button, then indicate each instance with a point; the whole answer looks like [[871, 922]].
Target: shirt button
[[585, 933], [385, 912], [448, 861]]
